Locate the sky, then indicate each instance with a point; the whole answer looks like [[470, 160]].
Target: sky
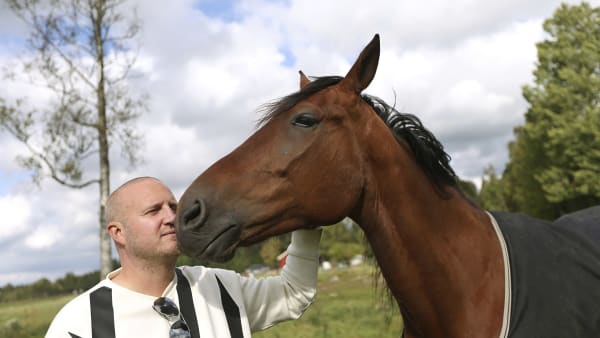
[[208, 65]]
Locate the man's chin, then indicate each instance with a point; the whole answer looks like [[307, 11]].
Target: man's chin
[[170, 252]]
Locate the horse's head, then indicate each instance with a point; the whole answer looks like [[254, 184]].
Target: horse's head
[[300, 169]]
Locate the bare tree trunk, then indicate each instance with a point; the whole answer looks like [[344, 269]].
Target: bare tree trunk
[[105, 248]]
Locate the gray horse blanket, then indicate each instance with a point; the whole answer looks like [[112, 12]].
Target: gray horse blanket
[[554, 274]]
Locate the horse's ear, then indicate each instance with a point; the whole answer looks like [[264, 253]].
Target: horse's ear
[[364, 68], [304, 81]]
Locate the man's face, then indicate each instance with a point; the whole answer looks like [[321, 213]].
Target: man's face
[[150, 214]]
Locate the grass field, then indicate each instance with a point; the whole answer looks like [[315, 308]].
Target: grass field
[[29, 318], [347, 305]]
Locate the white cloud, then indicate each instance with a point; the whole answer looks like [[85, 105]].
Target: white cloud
[[42, 237], [462, 94], [212, 93], [11, 148], [16, 214]]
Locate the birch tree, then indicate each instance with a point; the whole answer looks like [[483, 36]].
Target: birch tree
[[82, 52]]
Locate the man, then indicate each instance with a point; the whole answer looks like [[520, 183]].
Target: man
[[149, 297]]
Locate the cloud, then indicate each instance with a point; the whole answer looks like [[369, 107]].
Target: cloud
[[46, 232], [42, 237], [16, 213], [11, 148]]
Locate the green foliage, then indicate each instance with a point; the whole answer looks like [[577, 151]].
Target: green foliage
[[270, 249], [342, 241], [43, 287], [555, 160], [343, 252], [468, 188], [492, 191]]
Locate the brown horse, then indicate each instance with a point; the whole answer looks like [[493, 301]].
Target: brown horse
[[329, 151]]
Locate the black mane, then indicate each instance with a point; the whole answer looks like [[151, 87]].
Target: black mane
[[429, 152]]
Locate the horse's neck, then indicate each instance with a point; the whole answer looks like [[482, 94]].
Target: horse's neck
[[440, 257]]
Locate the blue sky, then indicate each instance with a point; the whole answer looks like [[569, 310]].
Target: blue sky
[[208, 65], [223, 10]]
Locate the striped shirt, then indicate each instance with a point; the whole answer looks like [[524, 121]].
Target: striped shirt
[[225, 303]]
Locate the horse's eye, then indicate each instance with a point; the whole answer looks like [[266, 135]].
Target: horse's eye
[[304, 120]]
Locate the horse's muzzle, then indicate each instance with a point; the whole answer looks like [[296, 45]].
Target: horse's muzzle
[[201, 236], [194, 216]]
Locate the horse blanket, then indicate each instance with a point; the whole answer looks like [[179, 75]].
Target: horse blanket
[[554, 274]]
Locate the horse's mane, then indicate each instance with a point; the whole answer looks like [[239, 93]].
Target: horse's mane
[[428, 151]]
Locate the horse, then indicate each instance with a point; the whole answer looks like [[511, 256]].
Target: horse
[[330, 151]]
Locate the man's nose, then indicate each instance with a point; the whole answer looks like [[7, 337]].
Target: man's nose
[[169, 215]]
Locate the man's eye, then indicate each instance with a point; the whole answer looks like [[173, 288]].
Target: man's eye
[[304, 120], [151, 211]]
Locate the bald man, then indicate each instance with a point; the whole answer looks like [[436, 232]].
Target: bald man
[[150, 297]]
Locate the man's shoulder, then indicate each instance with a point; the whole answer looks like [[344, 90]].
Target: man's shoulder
[[81, 303], [73, 316]]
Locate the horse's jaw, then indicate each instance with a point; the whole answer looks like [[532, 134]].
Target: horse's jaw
[[206, 234], [216, 243]]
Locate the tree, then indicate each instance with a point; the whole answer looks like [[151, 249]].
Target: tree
[[492, 191], [42, 287], [270, 249], [81, 52], [342, 241], [469, 189], [555, 160]]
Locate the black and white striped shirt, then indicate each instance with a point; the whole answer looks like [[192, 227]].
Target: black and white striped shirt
[[225, 304]]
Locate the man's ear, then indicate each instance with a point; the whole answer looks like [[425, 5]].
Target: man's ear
[[115, 230]]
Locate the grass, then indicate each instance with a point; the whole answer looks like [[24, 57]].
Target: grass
[[347, 305], [30, 318]]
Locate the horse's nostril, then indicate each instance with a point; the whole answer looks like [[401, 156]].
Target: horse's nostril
[[195, 215]]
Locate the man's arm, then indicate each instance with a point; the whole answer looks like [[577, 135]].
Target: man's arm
[[275, 299]]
